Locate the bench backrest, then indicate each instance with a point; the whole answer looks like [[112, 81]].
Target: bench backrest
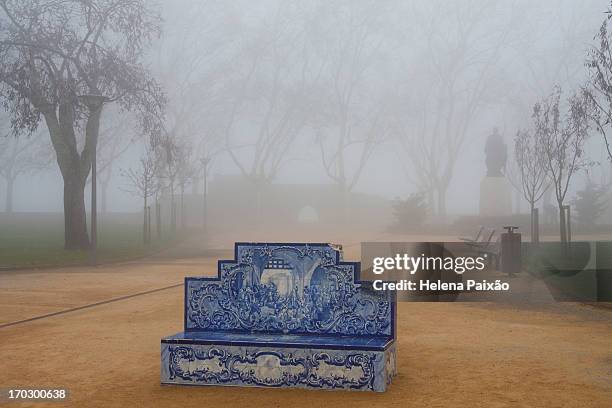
[[288, 288], [480, 230], [487, 235]]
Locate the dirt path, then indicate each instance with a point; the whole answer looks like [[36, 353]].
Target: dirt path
[[449, 354]]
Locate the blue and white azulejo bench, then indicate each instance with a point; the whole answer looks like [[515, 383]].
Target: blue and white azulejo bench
[[284, 315]]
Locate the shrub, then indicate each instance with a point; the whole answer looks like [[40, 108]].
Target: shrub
[[409, 213], [589, 204]]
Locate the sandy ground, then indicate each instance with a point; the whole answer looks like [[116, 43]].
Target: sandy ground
[[449, 354]]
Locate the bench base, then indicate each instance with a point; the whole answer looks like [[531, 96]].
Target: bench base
[[277, 367]]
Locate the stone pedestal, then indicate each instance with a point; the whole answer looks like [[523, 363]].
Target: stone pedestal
[[495, 197]]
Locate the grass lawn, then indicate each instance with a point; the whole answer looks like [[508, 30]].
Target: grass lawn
[[38, 240]]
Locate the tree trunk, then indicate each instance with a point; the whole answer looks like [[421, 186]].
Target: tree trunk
[[172, 208], [75, 219], [535, 227], [259, 209], [344, 194], [182, 207], [104, 190], [258, 222], [144, 223], [532, 222], [9, 194], [204, 203], [562, 229], [442, 201], [431, 201], [74, 166], [195, 186], [536, 222], [158, 218]]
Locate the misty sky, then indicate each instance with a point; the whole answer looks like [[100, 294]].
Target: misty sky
[[501, 57]]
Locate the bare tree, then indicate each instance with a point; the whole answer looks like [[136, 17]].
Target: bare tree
[[599, 87], [563, 138], [208, 149], [542, 63], [114, 138], [169, 156], [205, 164], [143, 183], [546, 49], [267, 92], [21, 156], [185, 174], [530, 156], [455, 80], [197, 91], [61, 61], [351, 120], [206, 47]]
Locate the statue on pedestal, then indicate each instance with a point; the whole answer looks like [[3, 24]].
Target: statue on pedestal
[[496, 152], [495, 191]]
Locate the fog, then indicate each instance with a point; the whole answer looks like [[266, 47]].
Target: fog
[[384, 98]]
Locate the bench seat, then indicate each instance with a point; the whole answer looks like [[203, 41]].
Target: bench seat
[[281, 340]]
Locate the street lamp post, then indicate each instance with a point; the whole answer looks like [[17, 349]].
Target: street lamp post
[[94, 103]]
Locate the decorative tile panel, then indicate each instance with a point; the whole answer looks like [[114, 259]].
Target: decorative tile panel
[[297, 288], [268, 367]]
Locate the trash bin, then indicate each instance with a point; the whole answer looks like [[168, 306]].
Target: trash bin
[[511, 251]]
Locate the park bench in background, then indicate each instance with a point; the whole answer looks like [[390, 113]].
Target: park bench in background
[[493, 251], [475, 239], [487, 246], [284, 315], [486, 235]]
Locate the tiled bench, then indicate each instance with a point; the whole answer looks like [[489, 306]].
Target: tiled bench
[[284, 315]]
